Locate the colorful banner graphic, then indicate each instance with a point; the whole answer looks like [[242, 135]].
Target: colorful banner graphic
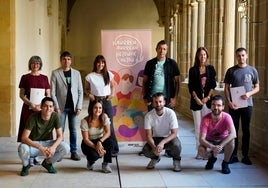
[[126, 52]]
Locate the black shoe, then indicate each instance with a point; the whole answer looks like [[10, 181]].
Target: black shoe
[[49, 167], [25, 170], [141, 153], [75, 157], [246, 161], [114, 154], [234, 159], [225, 168], [210, 163]]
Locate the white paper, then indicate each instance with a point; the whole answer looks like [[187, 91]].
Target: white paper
[[37, 95], [236, 93]]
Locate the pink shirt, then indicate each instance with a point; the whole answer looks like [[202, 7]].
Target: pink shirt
[[216, 131]]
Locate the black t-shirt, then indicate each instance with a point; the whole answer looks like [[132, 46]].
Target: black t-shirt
[[69, 100]]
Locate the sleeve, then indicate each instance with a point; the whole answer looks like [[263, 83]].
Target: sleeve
[[227, 77], [47, 85], [203, 126], [191, 80], [111, 75], [84, 125], [107, 121], [53, 84], [147, 124], [22, 82], [173, 120], [213, 83], [256, 77]]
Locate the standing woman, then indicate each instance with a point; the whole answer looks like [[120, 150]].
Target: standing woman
[[28, 81], [201, 85], [99, 85], [96, 143]]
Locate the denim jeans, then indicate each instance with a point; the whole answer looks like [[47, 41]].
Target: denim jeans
[[72, 120], [25, 151], [92, 155], [245, 115], [108, 109]]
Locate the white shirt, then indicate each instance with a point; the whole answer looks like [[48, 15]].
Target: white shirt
[[161, 125], [97, 86]]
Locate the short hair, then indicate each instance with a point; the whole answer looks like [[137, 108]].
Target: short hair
[[158, 94], [161, 42], [34, 59], [240, 50], [65, 54], [47, 99], [218, 97]]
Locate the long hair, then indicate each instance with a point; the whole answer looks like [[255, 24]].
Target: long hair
[[104, 71], [90, 112], [197, 61]]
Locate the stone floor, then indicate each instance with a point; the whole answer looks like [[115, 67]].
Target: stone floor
[[132, 172]]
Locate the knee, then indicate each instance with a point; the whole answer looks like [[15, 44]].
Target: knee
[[23, 150]]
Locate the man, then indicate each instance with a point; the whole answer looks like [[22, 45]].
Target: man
[[36, 138], [161, 74], [247, 76], [161, 127], [67, 92], [217, 134]]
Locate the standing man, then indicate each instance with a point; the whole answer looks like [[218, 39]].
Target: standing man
[[245, 75], [217, 133], [67, 92], [161, 127], [161, 74], [36, 138]]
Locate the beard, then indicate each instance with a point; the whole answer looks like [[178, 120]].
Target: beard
[[159, 108]]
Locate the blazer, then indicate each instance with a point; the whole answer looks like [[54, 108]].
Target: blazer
[[194, 84], [59, 88]]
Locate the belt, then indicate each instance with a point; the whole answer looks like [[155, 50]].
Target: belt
[[101, 97]]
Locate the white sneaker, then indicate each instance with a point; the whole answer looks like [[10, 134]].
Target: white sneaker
[[152, 163], [176, 165], [106, 168]]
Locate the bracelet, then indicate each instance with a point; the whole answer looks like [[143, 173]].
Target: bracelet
[[100, 141]]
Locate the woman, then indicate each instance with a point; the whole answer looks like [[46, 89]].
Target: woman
[[99, 84], [96, 142], [201, 85], [28, 82]]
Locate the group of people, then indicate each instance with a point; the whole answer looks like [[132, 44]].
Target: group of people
[[59, 99], [215, 130]]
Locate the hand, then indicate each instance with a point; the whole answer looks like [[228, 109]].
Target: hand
[[100, 149], [172, 103], [198, 101], [217, 149], [232, 105]]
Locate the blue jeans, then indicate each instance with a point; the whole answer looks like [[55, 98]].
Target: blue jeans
[[25, 151], [72, 119], [245, 115], [108, 109]]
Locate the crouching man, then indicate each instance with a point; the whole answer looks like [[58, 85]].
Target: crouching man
[[37, 138], [161, 127], [217, 134]]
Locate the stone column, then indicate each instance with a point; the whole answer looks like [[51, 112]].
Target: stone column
[[201, 23], [243, 32], [194, 6], [229, 35]]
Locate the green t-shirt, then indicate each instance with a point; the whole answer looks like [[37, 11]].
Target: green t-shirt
[[42, 130]]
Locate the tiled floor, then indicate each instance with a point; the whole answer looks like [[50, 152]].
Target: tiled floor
[[132, 170]]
